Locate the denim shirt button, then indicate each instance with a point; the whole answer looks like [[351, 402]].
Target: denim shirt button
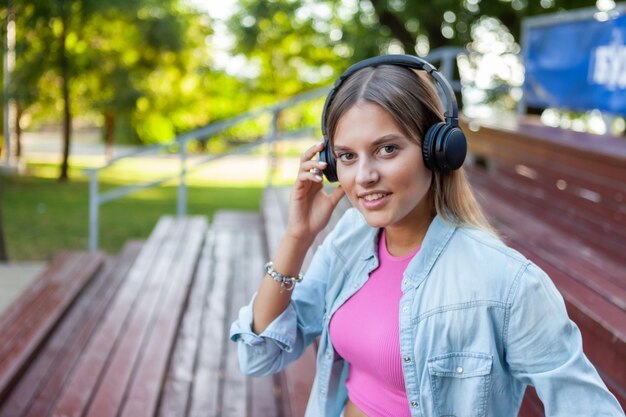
[[459, 370], [329, 355], [323, 392], [414, 404], [407, 359], [405, 309]]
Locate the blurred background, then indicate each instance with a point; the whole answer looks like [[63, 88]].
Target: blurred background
[[88, 81]]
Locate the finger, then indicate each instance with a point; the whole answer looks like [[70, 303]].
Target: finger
[[337, 195], [310, 153], [309, 165], [309, 176]]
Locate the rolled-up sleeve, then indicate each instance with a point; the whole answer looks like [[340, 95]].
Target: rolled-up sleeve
[[286, 338], [544, 349]]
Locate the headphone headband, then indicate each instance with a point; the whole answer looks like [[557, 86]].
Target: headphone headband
[[444, 145], [452, 112]]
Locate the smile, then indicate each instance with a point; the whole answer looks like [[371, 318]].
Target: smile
[[372, 197]]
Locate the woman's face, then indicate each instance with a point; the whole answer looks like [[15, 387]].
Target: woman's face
[[380, 169]]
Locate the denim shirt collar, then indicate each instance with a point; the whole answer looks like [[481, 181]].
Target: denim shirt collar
[[437, 237]]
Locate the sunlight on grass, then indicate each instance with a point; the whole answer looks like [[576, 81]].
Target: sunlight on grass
[[235, 171], [43, 216]]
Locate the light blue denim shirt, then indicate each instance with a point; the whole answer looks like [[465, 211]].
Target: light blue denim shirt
[[478, 322]]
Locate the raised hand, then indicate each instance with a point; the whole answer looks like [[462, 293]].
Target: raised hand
[[310, 206]]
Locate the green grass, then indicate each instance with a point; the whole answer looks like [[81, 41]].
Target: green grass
[[43, 216]]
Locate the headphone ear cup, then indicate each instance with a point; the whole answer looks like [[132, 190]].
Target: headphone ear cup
[[444, 147], [326, 155], [428, 146], [450, 149]]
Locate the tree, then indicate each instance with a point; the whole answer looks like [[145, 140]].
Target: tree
[[95, 55], [331, 32]]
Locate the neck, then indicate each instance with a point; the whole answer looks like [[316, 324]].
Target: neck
[[402, 239]]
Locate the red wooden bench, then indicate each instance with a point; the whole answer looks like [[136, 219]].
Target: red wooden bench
[[27, 322], [559, 197], [110, 350], [145, 333]]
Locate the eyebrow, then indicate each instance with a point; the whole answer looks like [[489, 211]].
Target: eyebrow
[[379, 141]]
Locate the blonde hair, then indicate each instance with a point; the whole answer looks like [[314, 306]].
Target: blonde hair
[[411, 99]]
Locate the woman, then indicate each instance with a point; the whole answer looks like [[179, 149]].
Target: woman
[[420, 309]]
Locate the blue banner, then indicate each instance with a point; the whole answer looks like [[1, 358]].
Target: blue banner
[[578, 65]]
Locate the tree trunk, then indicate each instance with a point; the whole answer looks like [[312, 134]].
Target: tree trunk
[[67, 115], [109, 134], [19, 110], [3, 249]]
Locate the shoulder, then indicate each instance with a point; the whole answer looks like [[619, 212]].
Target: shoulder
[[486, 260], [483, 246]]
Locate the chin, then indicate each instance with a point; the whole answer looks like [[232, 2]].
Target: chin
[[374, 220]]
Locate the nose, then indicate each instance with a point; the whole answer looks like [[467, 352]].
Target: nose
[[367, 174]]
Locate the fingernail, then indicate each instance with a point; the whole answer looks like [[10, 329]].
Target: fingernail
[[322, 163], [318, 177]]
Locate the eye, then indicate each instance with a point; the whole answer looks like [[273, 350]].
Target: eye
[[346, 157], [388, 150]]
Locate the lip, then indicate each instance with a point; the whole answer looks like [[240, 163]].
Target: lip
[[374, 204]]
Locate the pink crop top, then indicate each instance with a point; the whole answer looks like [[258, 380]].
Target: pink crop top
[[365, 332]]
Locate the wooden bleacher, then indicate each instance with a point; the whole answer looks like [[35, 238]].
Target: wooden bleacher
[[559, 197], [145, 333]]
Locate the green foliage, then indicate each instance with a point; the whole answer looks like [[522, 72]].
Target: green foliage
[[291, 39], [152, 66], [44, 216], [142, 61]]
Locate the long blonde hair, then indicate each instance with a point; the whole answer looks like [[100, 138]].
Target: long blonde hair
[[410, 98]]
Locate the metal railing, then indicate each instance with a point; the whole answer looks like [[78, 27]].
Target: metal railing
[[445, 56]]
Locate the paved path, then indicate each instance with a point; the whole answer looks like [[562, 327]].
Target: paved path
[[14, 277]]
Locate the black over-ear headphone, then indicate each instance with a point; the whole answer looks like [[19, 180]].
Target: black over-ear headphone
[[444, 146]]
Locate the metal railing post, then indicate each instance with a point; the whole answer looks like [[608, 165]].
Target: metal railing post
[[181, 205], [94, 204]]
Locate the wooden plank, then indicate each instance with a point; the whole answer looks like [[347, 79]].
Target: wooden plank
[[296, 381], [600, 154], [38, 389], [142, 396], [178, 384], [589, 229], [561, 251], [84, 379], [262, 391], [206, 391], [28, 309], [543, 172], [17, 354], [531, 405], [569, 251], [110, 396], [586, 307], [236, 389], [18, 309], [585, 198]]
